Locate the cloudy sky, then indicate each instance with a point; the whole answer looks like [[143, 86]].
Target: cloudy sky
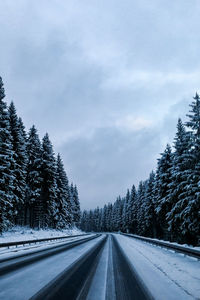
[[107, 79]]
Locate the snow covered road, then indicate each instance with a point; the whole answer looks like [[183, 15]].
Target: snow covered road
[[116, 267], [161, 273], [28, 280]]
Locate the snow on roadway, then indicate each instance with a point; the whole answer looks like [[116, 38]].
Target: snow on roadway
[[167, 274], [25, 282]]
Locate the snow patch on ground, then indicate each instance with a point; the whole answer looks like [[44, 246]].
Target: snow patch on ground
[[19, 233]]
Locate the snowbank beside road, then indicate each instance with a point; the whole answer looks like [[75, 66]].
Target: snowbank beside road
[[163, 241], [19, 233]]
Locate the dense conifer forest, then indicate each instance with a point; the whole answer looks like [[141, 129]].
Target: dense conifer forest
[[167, 204], [34, 188]]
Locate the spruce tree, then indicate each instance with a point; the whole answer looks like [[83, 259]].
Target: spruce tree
[[49, 187], [118, 216], [190, 200], [141, 203], [125, 215], [181, 168], [19, 167], [163, 177], [22, 129], [83, 220], [115, 216], [96, 219], [150, 214], [132, 210], [104, 218], [7, 196], [100, 219], [63, 196], [75, 205], [34, 209], [109, 217]]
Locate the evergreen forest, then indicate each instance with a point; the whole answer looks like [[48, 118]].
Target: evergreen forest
[[34, 188], [167, 204]]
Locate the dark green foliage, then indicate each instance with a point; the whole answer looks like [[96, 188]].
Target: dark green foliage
[[132, 211], [34, 210], [7, 197], [75, 205], [163, 175], [19, 165], [149, 209], [167, 205], [125, 212], [181, 168], [64, 206], [34, 188], [49, 186]]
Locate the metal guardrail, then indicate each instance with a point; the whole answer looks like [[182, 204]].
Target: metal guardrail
[[10, 244], [178, 248]]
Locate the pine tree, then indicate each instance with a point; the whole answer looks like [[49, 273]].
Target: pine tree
[[190, 198], [150, 214], [63, 196], [83, 220], [115, 212], [163, 175], [19, 167], [96, 219], [125, 215], [6, 161], [22, 129], [118, 216], [132, 210], [104, 218], [49, 186], [141, 203], [181, 168], [109, 217], [100, 219], [34, 210], [75, 205]]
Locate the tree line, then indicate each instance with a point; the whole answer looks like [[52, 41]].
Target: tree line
[[167, 204], [34, 188]]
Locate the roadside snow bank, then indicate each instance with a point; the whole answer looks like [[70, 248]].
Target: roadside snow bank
[[164, 241], [19, 233]]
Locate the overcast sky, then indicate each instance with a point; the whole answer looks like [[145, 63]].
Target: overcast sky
[[107, 79]]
